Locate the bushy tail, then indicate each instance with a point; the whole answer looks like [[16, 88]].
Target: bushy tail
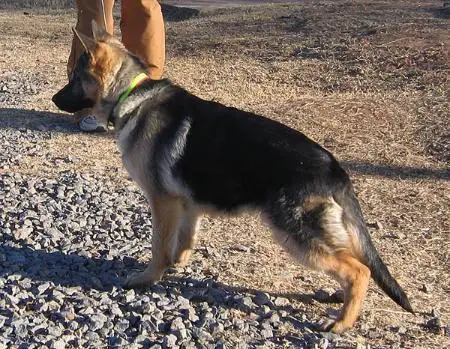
[[379, 271], [383, 277]]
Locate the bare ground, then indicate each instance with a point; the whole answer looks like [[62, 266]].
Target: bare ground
[[368, 80]]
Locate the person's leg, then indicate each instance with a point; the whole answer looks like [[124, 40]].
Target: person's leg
[[88, 10], [143, 33]]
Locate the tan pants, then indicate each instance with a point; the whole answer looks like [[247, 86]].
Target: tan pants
[[141, 25]]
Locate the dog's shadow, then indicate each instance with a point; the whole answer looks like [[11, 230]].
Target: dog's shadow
[[102, 274], [35, 120]]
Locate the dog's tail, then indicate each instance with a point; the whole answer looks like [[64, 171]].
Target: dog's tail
[[372, 259]]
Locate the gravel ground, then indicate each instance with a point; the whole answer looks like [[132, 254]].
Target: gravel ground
[[66, 247]]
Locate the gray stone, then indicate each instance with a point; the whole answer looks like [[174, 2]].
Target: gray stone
[[97, 321], [330, 336], [261, 298], [43, 287], [122, 325], [59, 344], [434, 323], [23, 233], [130, 295], [266, 333], [20, 328], [427, 288], [281, 301], [54, 331], [169, 341]]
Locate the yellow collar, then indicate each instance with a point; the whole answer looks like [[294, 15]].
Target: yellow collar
[[133, 84]]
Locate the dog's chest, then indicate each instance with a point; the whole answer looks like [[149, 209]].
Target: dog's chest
[[136, 156]]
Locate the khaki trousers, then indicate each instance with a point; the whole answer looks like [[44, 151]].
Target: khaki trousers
[[141, 25]]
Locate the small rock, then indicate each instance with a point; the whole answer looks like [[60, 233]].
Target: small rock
[[248, 302], [261, 299], [241, 248], [238, 324], [59, 344], [97, 321], [130, 295], [115, 310], [20, 328], [122, 325], [54, 331], [23, 233], [378, 225], [330, 336], [266, 333], [402, 330], [169, 341], [323, 343], [281, 301], [373, 334], [434, 323], [2, 320], [274, 318], [177, 324], [427, 288]]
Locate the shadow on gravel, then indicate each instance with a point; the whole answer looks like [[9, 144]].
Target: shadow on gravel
[[440, 12], [101, 274], [178, 14], [394, 171], [12, 118]]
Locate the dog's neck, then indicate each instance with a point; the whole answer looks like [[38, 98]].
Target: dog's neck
[[132, 86], [122, 83]]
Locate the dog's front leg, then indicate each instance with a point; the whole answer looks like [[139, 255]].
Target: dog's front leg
[[186, 236], [166, 215]]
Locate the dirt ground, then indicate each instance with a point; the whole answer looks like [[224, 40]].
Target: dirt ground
[[367, 79]]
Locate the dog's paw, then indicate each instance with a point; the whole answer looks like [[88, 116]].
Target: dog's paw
[[325, 325], [140, 280], [330, 325]]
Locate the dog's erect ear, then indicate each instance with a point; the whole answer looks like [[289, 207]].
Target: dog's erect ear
[[88, 43]]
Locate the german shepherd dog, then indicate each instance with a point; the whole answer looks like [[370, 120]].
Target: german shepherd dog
[[191, 156]]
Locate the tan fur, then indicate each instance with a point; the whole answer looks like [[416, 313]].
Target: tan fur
[[104, 63], [354, 278], [166, 214]]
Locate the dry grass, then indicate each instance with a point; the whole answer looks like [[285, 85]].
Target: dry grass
[[369, 80]]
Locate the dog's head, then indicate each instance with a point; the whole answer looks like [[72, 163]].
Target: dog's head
[[96, 81]]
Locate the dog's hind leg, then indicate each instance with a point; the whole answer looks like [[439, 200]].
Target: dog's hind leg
[[313, 231], [186, 236], [354, 278], [167, 212]]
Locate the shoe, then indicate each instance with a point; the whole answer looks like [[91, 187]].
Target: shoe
[[90, 124]]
